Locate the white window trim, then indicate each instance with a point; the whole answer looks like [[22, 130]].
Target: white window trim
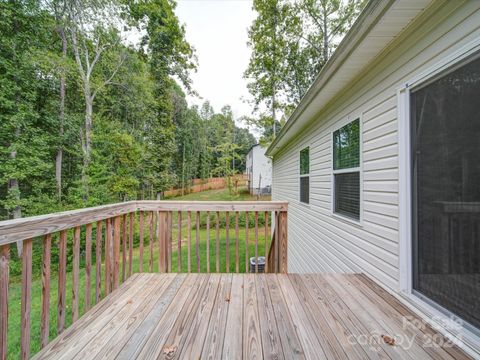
[[359, 169], [304, 175], [435, 313]]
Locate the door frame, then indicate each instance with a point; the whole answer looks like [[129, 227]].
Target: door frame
[[436, 314]]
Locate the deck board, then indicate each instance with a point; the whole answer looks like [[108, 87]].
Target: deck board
[[234, 316]]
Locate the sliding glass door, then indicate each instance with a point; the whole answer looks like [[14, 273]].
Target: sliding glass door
[[445, 123]]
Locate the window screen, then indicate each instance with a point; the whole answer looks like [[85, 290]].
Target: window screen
[[346, 155], [445, 138], [347, 194], [305, 175]]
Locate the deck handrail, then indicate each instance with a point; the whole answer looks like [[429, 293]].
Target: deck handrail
[[111, 229]]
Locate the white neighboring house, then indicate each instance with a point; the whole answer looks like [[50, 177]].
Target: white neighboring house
[[380, 162], [259, 170]]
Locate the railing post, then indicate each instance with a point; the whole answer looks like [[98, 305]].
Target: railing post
[[162, 242], [283, 242], [116, 252], [4, 274]]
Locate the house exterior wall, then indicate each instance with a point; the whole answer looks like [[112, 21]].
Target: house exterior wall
[[259, 167], [320, 241]]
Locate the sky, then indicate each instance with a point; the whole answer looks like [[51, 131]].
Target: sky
[[217, 29]]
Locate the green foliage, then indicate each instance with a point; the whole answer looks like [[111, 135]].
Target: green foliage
[[291, 41]]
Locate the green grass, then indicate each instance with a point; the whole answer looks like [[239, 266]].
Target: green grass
[[219, 195]]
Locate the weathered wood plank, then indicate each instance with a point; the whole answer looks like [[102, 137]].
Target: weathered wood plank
[[98, 261], [141, 234], [169, 241], [115, 328], [116, 252], [162, 241], [108, 255], [247, 258], [266, 238], [256, 242], [151, 236], [189, 241], [191, 346], [4, 278], [170, 326], [220, 206], [237, 260], [75, 273], [197, 239], [179, 241], [30, 227], [326, 337], [233, 339], [272, 348], [252, 338], [227, 242], [207, 239], [217, 244], [143, 318], [45, 312], [88, 265], [215, 334], [78, 336], [300, 319], [291, 345], [124, 246], [344, 324], [283, 241], [131, 224], [62, 281], [26, 297]]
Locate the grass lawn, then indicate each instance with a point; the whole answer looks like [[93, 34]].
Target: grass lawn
[[219, 195]]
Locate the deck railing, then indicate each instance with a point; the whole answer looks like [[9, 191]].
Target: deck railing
[[108, 240]]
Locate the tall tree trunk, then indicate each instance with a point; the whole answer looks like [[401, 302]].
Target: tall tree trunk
[[61, 115], [13, 186], [87, 142], [325, 37]]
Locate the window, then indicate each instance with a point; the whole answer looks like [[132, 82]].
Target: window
[[305, 175], [346, 170]]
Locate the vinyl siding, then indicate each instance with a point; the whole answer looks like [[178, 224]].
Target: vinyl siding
[[320, 241]]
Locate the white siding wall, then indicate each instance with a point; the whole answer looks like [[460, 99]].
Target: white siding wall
[[259, 165], [322, 242]]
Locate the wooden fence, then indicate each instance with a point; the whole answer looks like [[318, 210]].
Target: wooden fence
[[112, 229], [199, 185]]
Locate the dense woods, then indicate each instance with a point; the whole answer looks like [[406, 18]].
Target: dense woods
[[89, 116]]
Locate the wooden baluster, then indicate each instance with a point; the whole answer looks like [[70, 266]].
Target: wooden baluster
[[62, 277], [98, 255], [45, 314], [237, 260], [256, 242], [140, 257], [208, 241], [227, 242], [247, 260], [108, 255], [26, 297], [152, 220], [267, 236], [276, 242], [179, 240], [75, 270], [283, 241], [116, 252], [169, 240], [162, 242], [197, 240], [124, 247], [130, 243], [189, 241], [4, 278], [88, 264], [217, 245]]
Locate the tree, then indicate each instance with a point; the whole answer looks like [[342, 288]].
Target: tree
[[90, 40]]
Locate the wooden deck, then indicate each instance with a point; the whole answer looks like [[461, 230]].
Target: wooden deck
[[225, 316]]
